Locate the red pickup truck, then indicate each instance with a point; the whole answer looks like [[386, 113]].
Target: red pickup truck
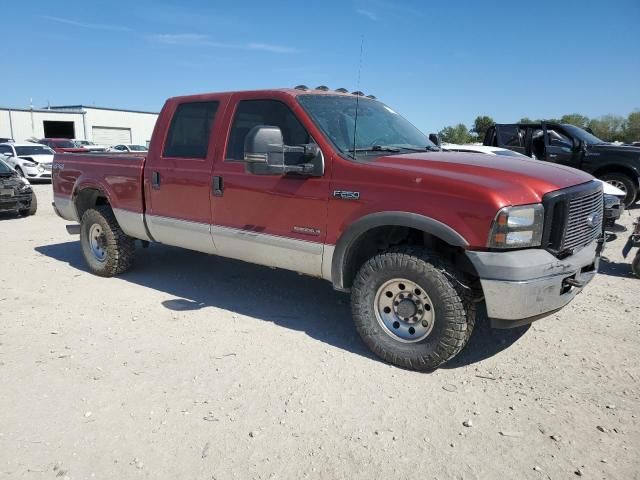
[[340, 186]]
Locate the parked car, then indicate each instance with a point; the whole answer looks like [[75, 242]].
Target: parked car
[[472, 148], [572, 146], [418, 236], [92, 147], [16, 194], [128, 148], [30, 160], [6, 140], [62, 145], [613, 196]]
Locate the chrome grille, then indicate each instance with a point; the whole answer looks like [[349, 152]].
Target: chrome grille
[[584, 220]]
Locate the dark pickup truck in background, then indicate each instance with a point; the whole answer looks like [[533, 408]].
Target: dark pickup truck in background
[[569, 145]]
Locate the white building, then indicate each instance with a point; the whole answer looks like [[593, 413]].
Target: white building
[[108, 126]]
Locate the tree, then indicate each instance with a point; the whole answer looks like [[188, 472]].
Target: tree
[[632, 128], [480, 126], [608, 127], [456, 134], [526, 120], [575, 119]]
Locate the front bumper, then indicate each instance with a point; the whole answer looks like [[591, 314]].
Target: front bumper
[[15, 203], [525, 285]]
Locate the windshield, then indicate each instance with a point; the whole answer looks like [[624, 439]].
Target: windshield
[[137, 148], [378, 125], [508, 153], [4, 168], [35, 150], [65, 144], [583, 135]]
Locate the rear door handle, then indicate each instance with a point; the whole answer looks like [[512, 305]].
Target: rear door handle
[[155, 180], [217, 185]]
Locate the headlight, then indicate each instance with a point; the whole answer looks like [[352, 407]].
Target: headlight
[[29, 164], [517, 227]]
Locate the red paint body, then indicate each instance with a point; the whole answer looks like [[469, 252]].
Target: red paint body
[[461, 190]]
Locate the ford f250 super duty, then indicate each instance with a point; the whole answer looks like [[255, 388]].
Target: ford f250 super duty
[[340, 186]]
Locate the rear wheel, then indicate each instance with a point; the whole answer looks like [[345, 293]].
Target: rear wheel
[[410, 308], [624, 183], [107, 250]]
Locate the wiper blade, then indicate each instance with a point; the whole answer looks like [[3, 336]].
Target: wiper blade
[[375, 148]]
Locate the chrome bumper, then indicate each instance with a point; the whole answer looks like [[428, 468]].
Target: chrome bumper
[[522, 286]]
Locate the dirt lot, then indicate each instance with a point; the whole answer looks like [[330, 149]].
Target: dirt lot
[[192, 366]]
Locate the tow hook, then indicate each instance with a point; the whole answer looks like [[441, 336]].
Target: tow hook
[[573, 282]]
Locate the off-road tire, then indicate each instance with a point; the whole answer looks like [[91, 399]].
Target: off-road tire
[[32, 208], [630, 186], [119, 247], [453, 306]]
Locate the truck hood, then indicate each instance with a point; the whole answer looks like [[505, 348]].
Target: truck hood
[[510, 180]]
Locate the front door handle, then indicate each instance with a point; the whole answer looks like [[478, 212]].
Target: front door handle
[[217, 185], [155, 180]]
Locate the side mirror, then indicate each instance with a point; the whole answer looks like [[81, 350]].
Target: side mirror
[[434, 138], [264, 146], [264, 154]]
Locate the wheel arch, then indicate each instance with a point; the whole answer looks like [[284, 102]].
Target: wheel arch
[[87, 196], [618, 168], [372, 233]]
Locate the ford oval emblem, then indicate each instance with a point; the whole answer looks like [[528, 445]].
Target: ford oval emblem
[[593, 220]]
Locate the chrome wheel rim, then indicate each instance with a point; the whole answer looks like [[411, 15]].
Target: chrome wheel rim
[[404, 310], [96, 242], [618, 184]]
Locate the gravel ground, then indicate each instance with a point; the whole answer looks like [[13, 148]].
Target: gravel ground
[[192, 366]]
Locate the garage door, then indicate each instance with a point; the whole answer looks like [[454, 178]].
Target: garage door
[[111, 135]]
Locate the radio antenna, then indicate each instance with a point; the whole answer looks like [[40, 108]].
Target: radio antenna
[[355, 124]]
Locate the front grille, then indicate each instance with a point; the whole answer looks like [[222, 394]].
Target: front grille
[[573, 218], [585, 220]]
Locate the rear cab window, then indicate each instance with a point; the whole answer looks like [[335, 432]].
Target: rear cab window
[[190, 130]]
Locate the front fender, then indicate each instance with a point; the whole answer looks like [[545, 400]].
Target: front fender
[[381, 219]]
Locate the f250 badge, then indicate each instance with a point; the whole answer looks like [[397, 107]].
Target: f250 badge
[[346, 195]]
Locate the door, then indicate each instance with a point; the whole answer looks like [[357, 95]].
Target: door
[[559, 146], [110, 135], [275, 220], [178, 178], [510, 137]]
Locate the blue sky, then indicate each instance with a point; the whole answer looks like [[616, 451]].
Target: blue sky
[[438, 63]]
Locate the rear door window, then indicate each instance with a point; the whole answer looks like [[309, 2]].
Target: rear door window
[[509, 136], [190, 130]]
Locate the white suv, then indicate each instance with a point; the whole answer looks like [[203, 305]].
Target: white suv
[[30, 160]]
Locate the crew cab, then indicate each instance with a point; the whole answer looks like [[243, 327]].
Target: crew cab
[[340, 186], [569, 145]]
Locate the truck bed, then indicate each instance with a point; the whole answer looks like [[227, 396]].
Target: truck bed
[[119, 176]]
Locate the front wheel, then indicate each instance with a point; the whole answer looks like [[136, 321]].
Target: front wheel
[[624, 183], [32, 208], [410, 308], [107, 250]]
